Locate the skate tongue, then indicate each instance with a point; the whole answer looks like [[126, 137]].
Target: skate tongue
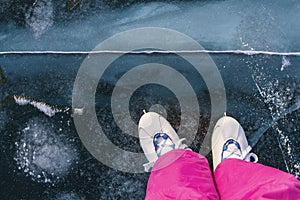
[[233, 151], [166, 149], [164, 145]]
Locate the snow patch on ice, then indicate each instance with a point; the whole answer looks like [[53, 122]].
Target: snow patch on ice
[[42, 153], [43, 107], [21, 100], [40, 17]]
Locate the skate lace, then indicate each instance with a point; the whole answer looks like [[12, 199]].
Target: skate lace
[[232, 149], [161, 145], [232, 153], [162, 142]]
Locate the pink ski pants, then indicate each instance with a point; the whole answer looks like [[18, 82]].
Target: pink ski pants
[[184, 174]]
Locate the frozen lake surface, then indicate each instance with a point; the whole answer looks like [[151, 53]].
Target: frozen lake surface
[[42, 155]]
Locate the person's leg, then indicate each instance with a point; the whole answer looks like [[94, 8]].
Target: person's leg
[[239, 179], [181, 174], [177, 173], [236, 177]]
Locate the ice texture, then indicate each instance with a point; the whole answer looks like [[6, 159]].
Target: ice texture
[[43, 153]]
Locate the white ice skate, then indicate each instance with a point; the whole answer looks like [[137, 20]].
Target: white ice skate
[[157, 137], [229, 141]]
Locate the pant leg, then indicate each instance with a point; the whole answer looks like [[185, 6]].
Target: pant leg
[[238, 179], [181, 174]]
